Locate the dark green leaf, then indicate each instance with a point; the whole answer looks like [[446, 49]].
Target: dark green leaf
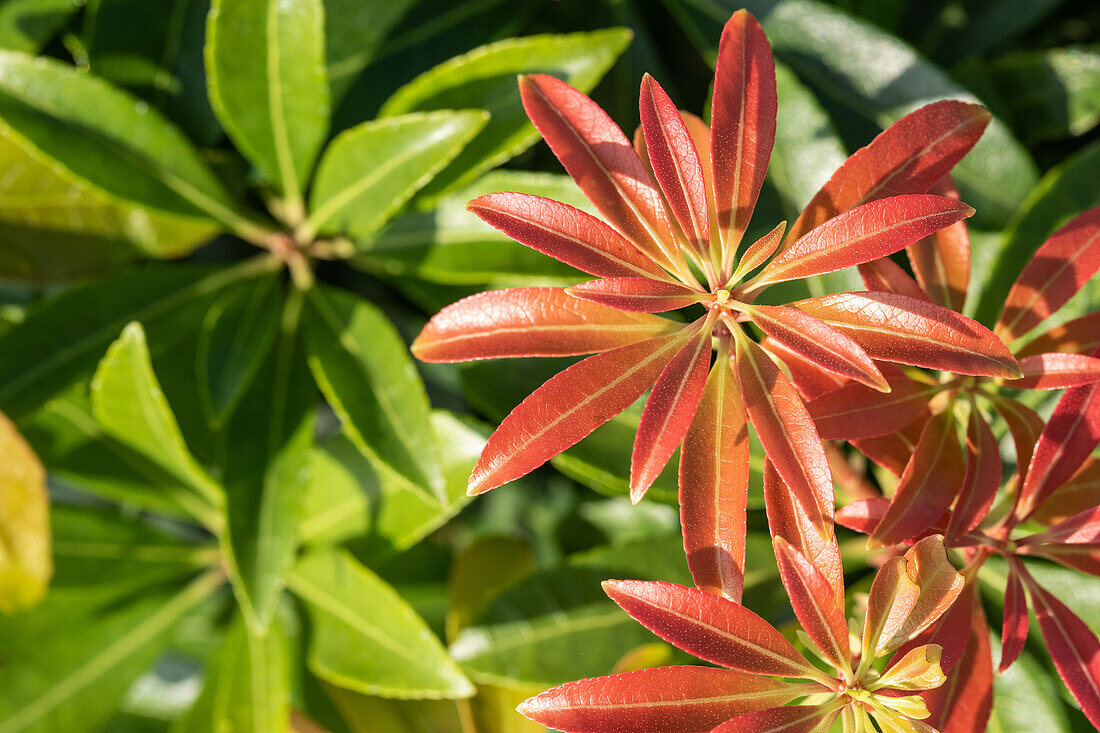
[[25, 25], [1050, 94], [353, 32], [486, 78], [364, 369], [366, 638]]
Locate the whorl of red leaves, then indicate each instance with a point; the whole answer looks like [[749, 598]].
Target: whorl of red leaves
[[894, 370]]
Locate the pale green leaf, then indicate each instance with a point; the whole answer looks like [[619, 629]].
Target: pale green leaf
[[1026, 698], [486, 78], [369, 171], [265, 64], [366, 637]]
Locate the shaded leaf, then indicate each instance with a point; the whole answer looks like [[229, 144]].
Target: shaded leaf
[[857, 411], [982, 480]]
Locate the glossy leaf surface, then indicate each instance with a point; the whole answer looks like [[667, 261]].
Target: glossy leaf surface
[[814, 603], [637, 294]]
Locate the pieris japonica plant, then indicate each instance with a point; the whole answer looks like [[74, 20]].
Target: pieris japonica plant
[[894, 369]]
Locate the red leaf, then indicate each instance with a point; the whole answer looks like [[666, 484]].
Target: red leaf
[[709, 627], [1060, 267], [928, 485], [786, 520], [814, 604], [863, 515], [1067, 440], [786, 432], [1014, 624], [886, 276], [531, 322], [565, 233], [599, 158], [895, 328], [1073, 542], [571, 405], [855, 411], [1024, 424], [683, 699], [810, 379], [714, 485], [910, 156], [787, 719], [950, 632], [983, 478], [1079, 336], [873, 230], [637, 294], [818, 342], [963, 703], [893, 451], [1081, 492], [669, 412], [941, 262], [1073, 647], [1056, 371], [675, 163], [743, 112]]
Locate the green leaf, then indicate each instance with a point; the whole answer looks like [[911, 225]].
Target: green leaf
[[1050, 94], [155, 48], [369, 171], [875, 76], [368, 714], [265, 62], [1064, 192], [453, 246], [347, 498], [25, 560], [807, 148], [480, 572], [62, 339], [486, 78], [26, 25], [365, 372], [267, 470], [1026, 698], [76, 659], [110, 143], [989, 24], [353, 32], [237, 334], [129, 405], [247, 687], [366, 638]]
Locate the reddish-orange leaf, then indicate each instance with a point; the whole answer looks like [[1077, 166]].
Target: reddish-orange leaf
[[941, 262], [1061, 266], [742, 125], [1073, 647], [565, 233], [1024, 424], [963, 703], [950, 632], [786, 432], [1081, 492], [910, 156], [819, 342], [1014, 624], [1056, 371], [810, 379], [709, 627], [600, 159], [571, 405], [983, 478], [885, 275], [637, 294], [787, 719], [873, 230], [759, 251], [786, 520], [668, 412], [864, 515], [1079, 336], [531, 322], [1067, 440], [714, 485], [928, 485], [908, 331], [1074, 542], [675, 163], [700, 136], [814, 603], [682, 699], [855, 411], [893, 451]]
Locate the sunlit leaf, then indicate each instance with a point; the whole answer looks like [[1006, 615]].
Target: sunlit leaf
[[26, 562]]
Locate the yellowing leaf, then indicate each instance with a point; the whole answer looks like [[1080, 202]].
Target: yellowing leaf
[[25, 560]]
